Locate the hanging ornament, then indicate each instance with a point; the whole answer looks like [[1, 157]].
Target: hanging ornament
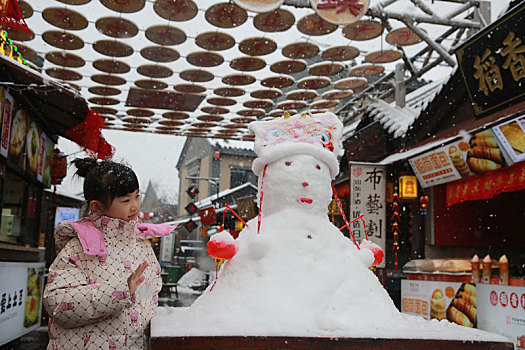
[[423, 204], [395, 219], [58, 170]]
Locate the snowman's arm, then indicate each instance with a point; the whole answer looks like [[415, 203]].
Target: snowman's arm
[[370, 253], [222, 246]]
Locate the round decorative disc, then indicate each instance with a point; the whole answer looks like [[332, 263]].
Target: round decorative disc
[[104, 110], [140, 112], [326, 68], [403, 37], [171, 122], [215, 110], [64, 59], [337, 94], [111, 66], [196, 75], [124, 6], [62, 40], [235, 126], [324, 104], [166, 132], [154, 71], [249, 137], [363, 30], [205, 59], [75, 2], [278, 113], [215, 41], [367, 70], [64, 18], [260, 6], [104, 101], [229, 91], [25, 9], [63, 74], [286, 105], [313, 83], [104, 90], [258, 104], [266, 93], [107, 117], [108, 79], [300, 50], [238, 79], [136, 120], [350, 83], [226, 15], [277, 82], [151, 84], [243, 120], [276, 21], [340, 53], [384, 56], [221, 101], [314, 25], [159, 54], [113, 48], [175, 10], [165, 35], [342, 12], [176, 115], [257, 46], [227, 132], [204, 124], [190, 88], [116, 27], [247, 64], [301, 95], [210, 118], [26, 52], [288, 67]]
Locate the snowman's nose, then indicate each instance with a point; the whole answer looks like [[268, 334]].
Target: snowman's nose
[[306, 184]]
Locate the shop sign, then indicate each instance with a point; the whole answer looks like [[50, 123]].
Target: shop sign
[[167, 245], [9, 50], [407, 187], [501, 309], [21, 286], [475, 154], [493, 63], [7, 110], [66, 214], [368, 197], [208, 216], [511, 137]]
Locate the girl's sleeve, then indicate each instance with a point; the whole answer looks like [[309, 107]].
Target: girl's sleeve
[[71, 300]]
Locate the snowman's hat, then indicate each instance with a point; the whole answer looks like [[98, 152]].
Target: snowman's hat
[[318, 135]]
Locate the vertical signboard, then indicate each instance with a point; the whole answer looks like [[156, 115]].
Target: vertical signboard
[[21, 286], [167, 246], [66, 214], [501, 310], [6, 122], [368, 197]]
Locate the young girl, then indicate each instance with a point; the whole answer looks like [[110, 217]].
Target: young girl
[[91, 294]]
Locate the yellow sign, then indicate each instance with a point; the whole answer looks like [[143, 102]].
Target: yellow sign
[[7, 48], [408, 187]]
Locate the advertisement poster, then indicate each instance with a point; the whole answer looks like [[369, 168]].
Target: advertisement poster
[[33, 147], [167, 245], [502, 311], [7, 111], [454, 301], [511, 136], [21, 287], [477, 154], [368, 197], [66, 214]]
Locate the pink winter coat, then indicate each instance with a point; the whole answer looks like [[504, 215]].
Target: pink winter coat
[[87, 296]]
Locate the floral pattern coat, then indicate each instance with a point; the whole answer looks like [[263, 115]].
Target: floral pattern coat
[[87, 296]]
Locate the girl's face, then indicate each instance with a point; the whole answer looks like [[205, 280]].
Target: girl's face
[[125, 208]]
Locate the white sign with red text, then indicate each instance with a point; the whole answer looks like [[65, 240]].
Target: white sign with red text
[[435, 167]]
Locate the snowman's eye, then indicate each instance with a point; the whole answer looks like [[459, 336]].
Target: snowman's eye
[[287, 163], [324, 137], [318, 167]]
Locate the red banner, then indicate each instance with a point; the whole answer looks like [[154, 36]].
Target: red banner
[[487, 185], [11, 17]]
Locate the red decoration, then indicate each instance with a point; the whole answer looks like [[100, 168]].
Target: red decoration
[[11, 17], [395, 224], [87, 135], [59, 167], [208, 216], [220, 249], [191, 208], [192, 191], [216, 155], [423, 205]]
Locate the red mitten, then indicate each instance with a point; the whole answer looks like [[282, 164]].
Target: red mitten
[[221, 246]]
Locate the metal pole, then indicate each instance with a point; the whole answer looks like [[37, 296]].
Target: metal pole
[[399, 85]]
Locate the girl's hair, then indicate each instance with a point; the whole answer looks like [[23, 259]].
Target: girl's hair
[[105, 179]]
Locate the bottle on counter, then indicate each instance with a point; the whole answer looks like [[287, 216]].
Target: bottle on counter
[[487, 269], [475, 269], [503, 270]]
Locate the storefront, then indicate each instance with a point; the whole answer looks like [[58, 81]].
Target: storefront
[[34, 112]]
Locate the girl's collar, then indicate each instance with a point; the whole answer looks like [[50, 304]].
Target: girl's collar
[[103, 222]]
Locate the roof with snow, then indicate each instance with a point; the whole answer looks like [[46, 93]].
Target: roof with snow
[[208, 201], [232, 144]]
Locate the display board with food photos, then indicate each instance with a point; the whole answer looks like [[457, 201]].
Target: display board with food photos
[[21, 287], [23, 141], [511, 137]]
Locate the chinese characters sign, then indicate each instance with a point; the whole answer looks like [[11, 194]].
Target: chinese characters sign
[[368, 197], [493, 63]]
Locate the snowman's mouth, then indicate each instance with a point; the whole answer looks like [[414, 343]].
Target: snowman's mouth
[[305, 200]]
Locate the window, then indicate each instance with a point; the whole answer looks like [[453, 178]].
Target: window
[[239, 176]]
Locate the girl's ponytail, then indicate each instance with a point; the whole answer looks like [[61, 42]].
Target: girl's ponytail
[[84, 166]]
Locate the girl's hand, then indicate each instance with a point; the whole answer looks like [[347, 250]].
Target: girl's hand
[[136, 278]]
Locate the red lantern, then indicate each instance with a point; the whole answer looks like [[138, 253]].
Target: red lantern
[[216, 155], [59, 167]]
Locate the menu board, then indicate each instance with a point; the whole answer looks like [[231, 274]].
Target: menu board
[[511, 137], [7, 110], [474, 154], [21, 286], [368, 197]]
